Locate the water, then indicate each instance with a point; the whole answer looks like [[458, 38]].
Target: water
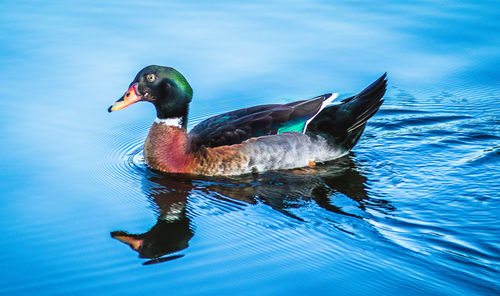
[[413, 209]]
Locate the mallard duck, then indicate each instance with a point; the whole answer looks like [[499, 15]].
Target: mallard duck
[[248, 140]]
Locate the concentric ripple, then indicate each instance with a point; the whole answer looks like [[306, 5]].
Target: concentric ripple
[[124, 161]]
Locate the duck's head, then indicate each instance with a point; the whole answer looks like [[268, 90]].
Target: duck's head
[[165, 87]]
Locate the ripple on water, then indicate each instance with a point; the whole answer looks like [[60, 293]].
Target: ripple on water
[[124, 164]]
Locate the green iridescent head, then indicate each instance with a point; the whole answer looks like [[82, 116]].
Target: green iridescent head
[[165, 87]]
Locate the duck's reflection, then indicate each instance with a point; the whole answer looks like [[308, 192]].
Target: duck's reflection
[[172, 231], [280, 190]]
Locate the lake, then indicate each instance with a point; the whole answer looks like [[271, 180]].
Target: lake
[[413, 209]]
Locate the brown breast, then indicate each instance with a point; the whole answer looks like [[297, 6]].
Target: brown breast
[[165, 149]]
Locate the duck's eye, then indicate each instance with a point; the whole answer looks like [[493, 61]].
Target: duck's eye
[[151, 77]]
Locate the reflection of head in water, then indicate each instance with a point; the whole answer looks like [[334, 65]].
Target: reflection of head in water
[[167, 236], [280, 190], [172, 231]]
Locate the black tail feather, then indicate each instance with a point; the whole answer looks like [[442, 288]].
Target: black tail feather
[[343, 124], [371, 90]]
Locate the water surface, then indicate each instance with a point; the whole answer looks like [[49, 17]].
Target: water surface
[[413, 209]]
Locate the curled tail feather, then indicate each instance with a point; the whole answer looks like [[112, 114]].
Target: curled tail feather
[[344, 123]]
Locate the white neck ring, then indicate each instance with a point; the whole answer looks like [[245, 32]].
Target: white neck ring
[[176, 121]]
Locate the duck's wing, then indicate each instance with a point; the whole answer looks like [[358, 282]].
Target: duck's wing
[[237, 126]]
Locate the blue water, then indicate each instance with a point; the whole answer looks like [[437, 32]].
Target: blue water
[[413, 210]]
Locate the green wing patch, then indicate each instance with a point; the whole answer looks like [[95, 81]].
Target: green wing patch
[[296, 125]]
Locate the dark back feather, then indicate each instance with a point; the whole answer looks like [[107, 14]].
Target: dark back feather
[[237, 126], [341, 124]]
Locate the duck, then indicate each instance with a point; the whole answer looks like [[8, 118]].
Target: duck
[[248, 140]]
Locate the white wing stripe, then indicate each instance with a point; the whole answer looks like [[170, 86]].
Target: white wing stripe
[[325, 103]]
